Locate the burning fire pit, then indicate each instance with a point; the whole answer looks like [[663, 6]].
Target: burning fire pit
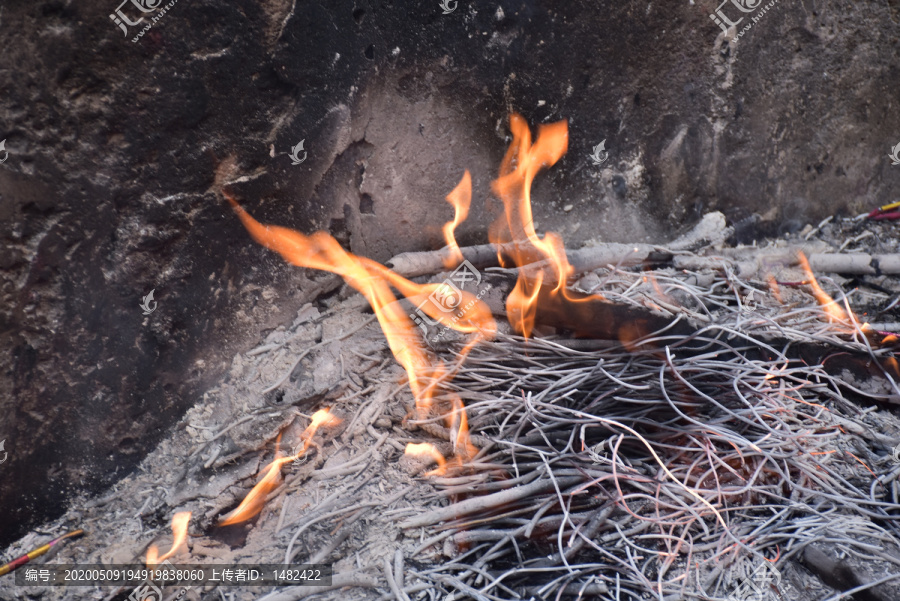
[[518, 421]]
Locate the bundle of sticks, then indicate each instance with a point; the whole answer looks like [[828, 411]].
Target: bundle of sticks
[[718, 435]]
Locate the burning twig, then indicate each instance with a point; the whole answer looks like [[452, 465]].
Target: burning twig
[[413, 264]]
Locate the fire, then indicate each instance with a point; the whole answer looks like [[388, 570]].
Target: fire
[[835, 312], [458, 423], [427, 450], [256, 498], [540, 285], [521, 164], [775, 288], [180, 523], [374, 281], [254, 501], [322, 417], [477, 319], [522, 302], [460, 198]]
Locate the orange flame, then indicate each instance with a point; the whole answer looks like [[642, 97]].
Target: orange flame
[[180, 523], [322, 417], [460, 198], [521, 164], [371, 279], [458, 423], [426, 450], [256, 498], [834, 311], [775, 288], [521, 304]]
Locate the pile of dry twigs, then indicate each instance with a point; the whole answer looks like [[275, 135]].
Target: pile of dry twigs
[[664, 467]]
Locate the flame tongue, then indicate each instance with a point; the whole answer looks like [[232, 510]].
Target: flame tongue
[[835, 312], [180, 523], [322, 417], [521, 304], [458, 423], [256, 498], [426, 450], [460, 198], [517, 172], [372, 280], [321, 251], [521, 164]]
